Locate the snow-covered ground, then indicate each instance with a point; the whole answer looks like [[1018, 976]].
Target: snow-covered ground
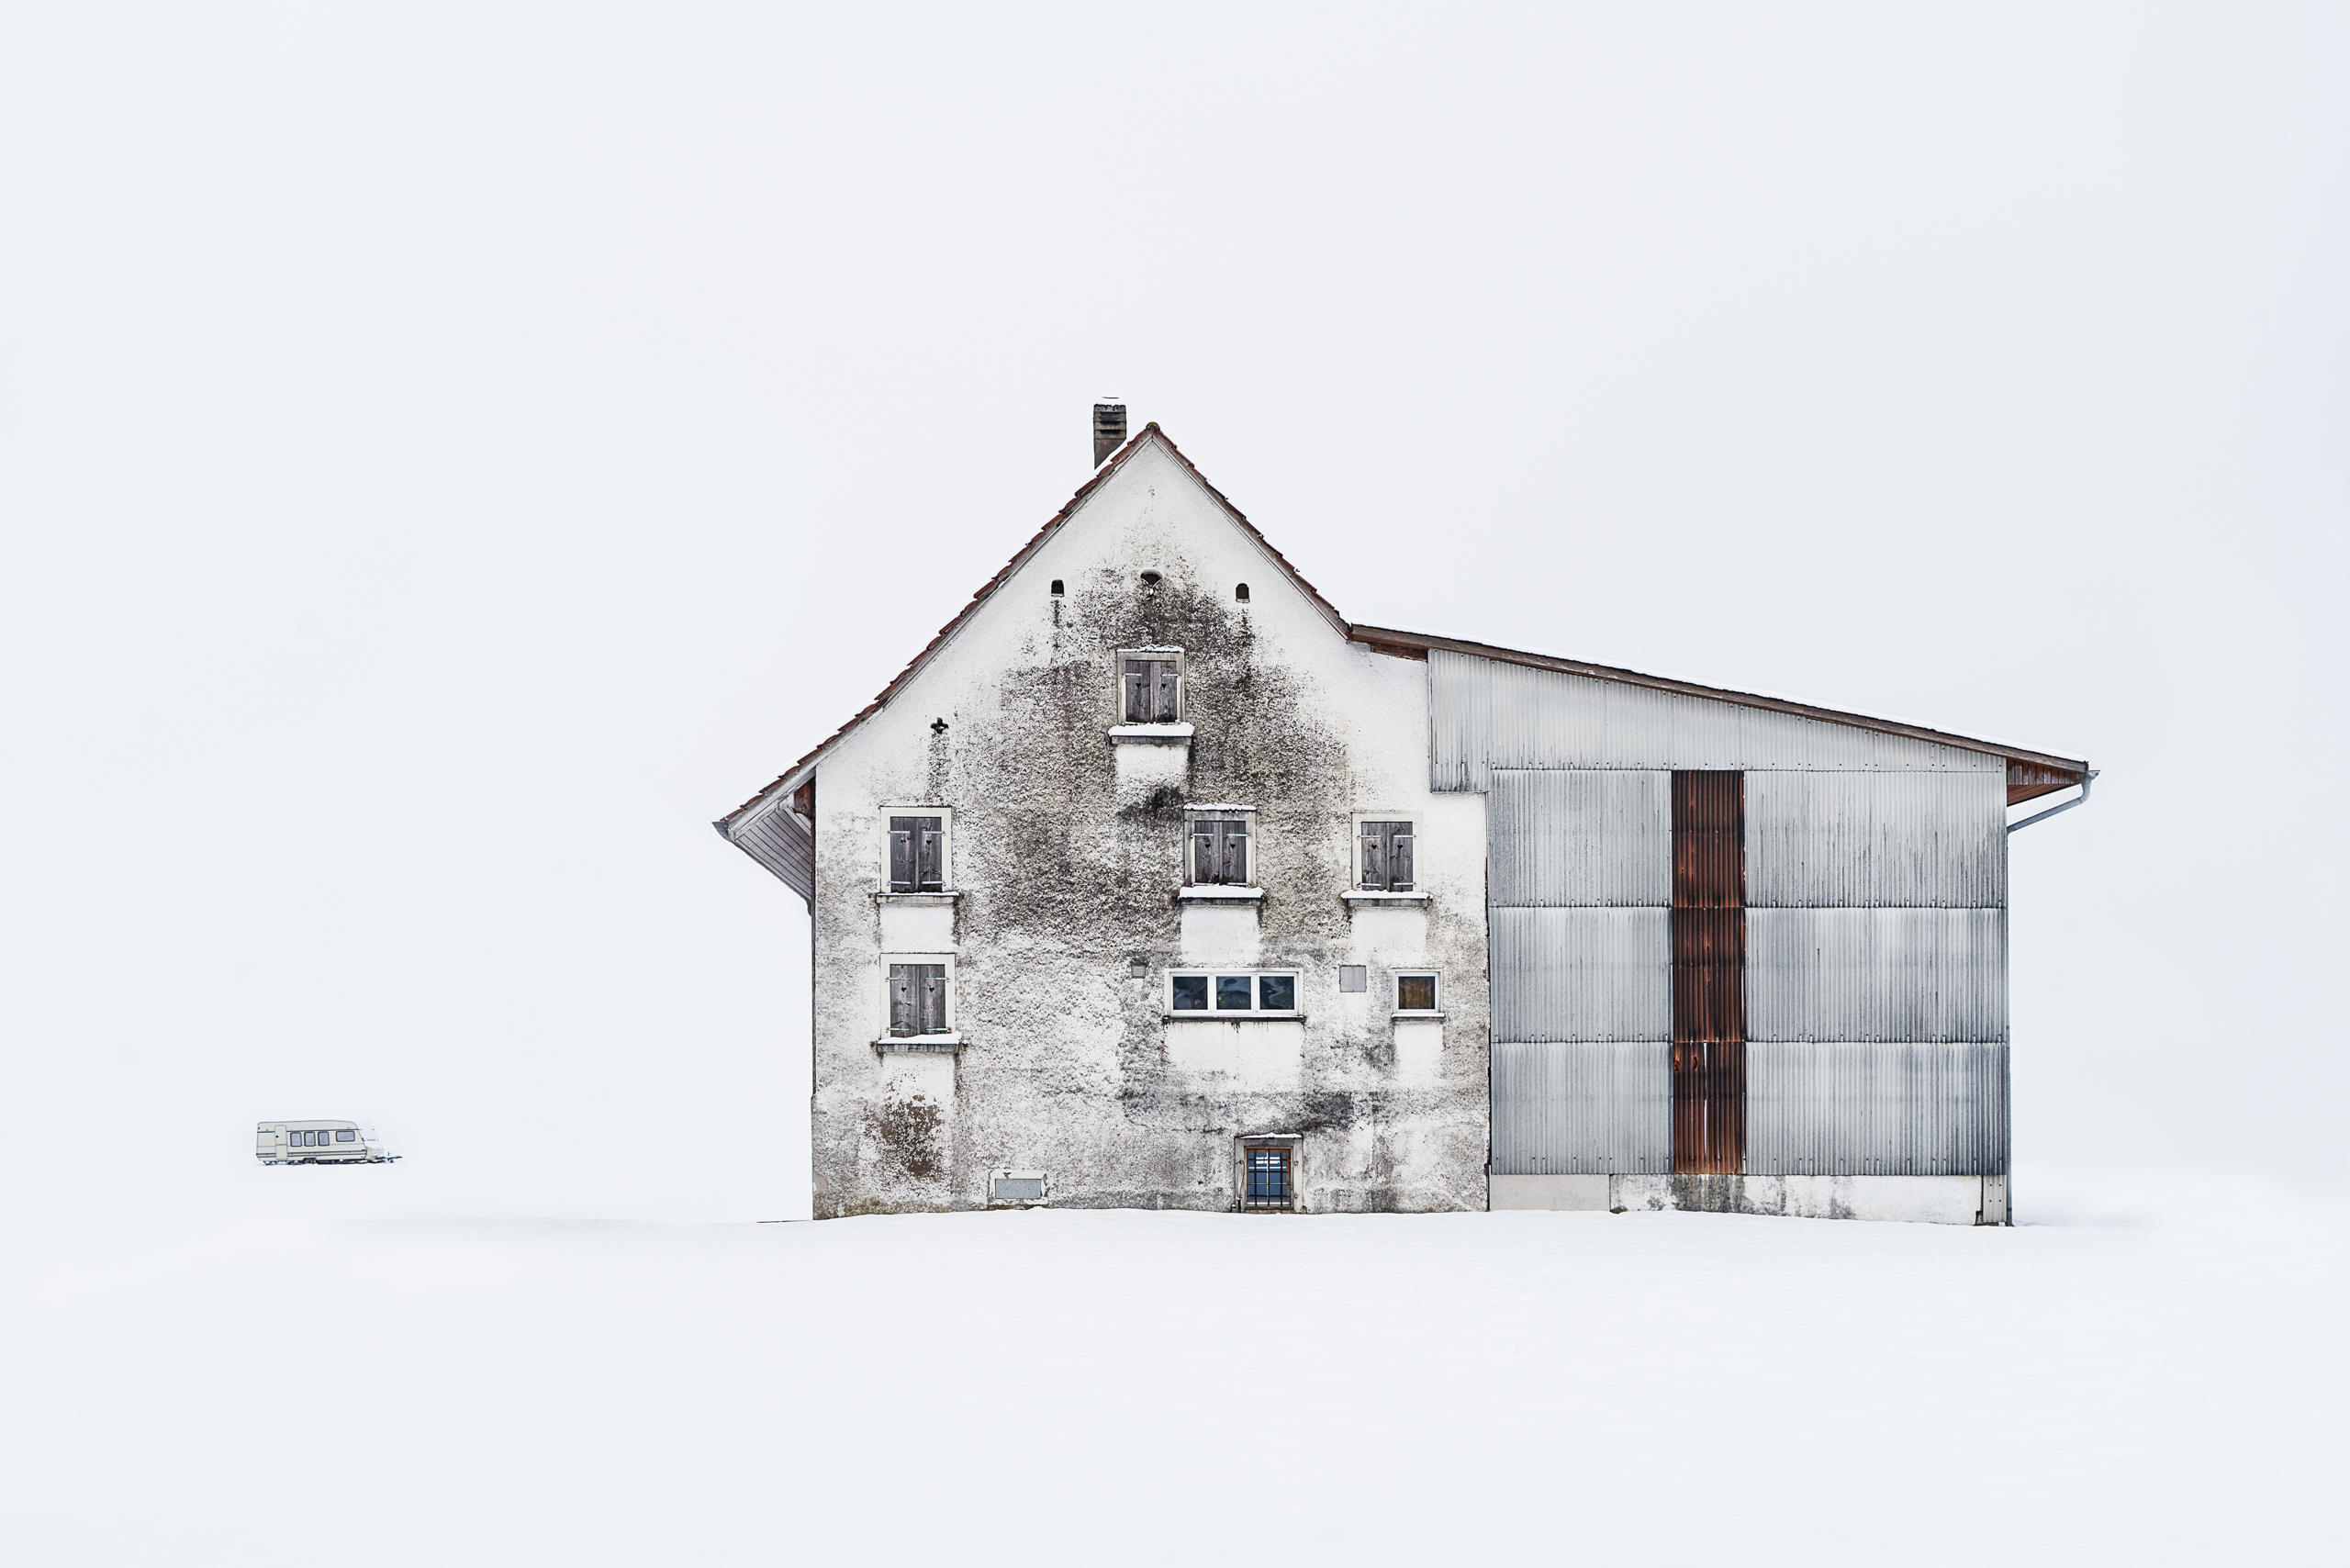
[[290, 1383]]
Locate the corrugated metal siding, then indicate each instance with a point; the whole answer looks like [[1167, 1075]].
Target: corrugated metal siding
[[1484, 715], [1884, 1109], [1587, 837], [1818, 840], [1582, 974], [1876, 974], [1582, 1110], [783, 842]]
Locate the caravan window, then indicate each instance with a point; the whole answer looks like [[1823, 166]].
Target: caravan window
[[344, 1135]]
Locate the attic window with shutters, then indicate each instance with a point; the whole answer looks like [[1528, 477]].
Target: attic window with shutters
[[1150, 685], [914, 849]]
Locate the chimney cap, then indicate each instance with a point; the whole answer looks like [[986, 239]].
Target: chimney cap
[[1109, 430]]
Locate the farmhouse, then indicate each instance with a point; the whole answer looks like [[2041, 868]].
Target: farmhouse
[[1154, 882]]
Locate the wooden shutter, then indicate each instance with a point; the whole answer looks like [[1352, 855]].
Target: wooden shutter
[[1204, 855], [1137, 685], [1374, 854], [930, 854], [901, 855], [934, 998], [1399, 856], [1163, 683], [1236, 854], [901, 999]]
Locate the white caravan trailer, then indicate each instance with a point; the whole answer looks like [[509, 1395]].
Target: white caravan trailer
[[318, 1143]]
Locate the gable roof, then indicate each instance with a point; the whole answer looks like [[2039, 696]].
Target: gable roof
[[2029, 773]]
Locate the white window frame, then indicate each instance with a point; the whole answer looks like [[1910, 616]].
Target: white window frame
[[881, 998], [1354, 852], [946, 815], [1245, 816], [1228, 1014], [1436, 984], [1118, 684]]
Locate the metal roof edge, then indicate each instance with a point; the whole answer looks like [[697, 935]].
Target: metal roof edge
[[1388, 638]]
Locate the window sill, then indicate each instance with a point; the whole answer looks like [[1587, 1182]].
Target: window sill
[[920, 1045], [918, 900], [1400, 1017], [1376, 899], [1213, 1017], [1150, 735], [1218, 892]]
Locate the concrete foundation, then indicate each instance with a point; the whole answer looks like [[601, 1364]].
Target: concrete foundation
[[1550, 1193], [1926, 1200]]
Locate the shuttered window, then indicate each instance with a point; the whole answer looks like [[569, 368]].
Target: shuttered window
[[1387, 856], [1220, 851], [917, 999], [1152, 689], [917, 855], [1416, 993]]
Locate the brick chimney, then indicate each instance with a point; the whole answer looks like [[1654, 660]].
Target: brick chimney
[[1109, 430]]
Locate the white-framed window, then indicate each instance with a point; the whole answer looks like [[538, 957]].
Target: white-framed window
[[1150, 685], [1416, 992], [916, 849], [1220, 847], [344, 1135], [1385, 842], [917, 994], [1232, 993]]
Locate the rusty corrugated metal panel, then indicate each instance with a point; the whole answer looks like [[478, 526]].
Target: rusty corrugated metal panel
[[1817, 840], [1876, 974], [1561, 837], [783, 842], [1485, 714], [1582, 1110], [1876, 1109], [1582, 974], [1708, 972]]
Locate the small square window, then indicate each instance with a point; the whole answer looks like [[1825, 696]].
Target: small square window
[[1354, 977], [1191, 993], [918, 999], [1232, 992], [1387, 856], [1151, 681], [1416, 993], [1277, 994], [918, 854]]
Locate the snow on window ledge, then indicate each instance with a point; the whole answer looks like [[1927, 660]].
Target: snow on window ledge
[[1372, 896], [920, 1044], [1219, 892], [1150, 735], [918, 900]]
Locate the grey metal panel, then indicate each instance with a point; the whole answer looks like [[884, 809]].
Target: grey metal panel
[[783, 842], [1582, 1109], [1580, 837], [1882, 1109], [1876, 974], [1875, 840], [1484, 714], [1582, 974]]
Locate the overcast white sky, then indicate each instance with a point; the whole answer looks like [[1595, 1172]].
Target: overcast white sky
[[448, 454]]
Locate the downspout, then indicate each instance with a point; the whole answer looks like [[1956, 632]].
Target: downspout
[[2080, 800]]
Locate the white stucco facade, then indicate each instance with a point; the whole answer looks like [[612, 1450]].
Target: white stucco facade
[[1065, 910]]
